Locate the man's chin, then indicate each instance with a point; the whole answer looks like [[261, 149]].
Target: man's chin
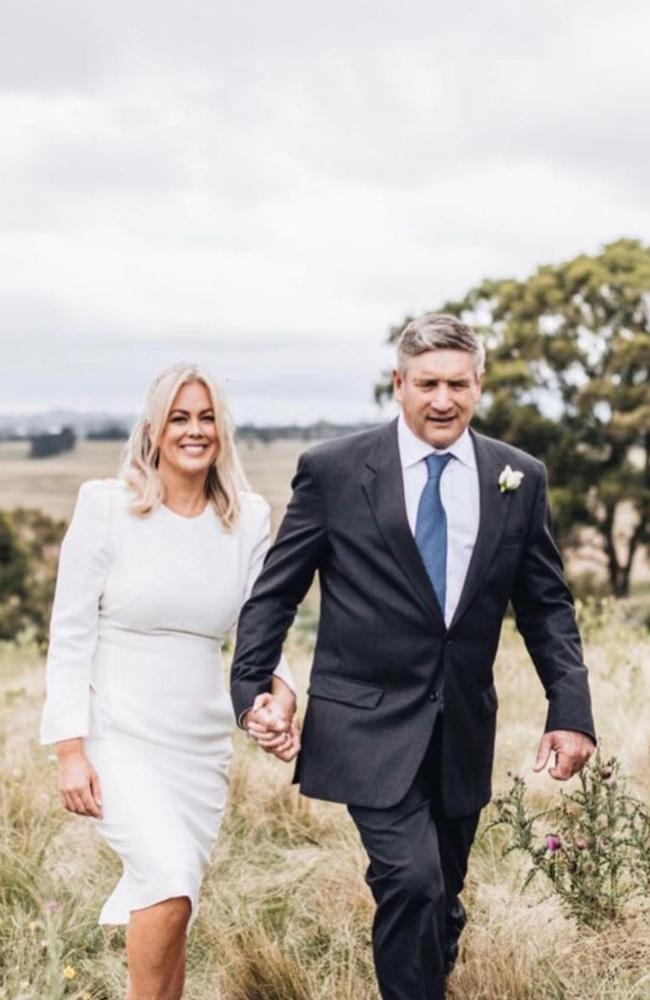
[[442, 435]]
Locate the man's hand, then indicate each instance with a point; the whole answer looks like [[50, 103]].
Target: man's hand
[[274, 726], [572, 751]]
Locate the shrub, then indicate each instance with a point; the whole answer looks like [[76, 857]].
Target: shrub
[[594, 848], [29, 548]]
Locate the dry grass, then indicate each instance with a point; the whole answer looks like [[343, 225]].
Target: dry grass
[[51, 484], [285, 913]]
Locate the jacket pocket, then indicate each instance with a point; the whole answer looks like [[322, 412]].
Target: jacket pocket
[[488, 702], [335, 687]]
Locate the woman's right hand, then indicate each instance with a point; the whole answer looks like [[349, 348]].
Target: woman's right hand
[[78, 780]]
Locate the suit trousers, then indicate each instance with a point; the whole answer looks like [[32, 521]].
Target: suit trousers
[[418, 862]]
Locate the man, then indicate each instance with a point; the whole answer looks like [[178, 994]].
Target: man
[[421, 536]]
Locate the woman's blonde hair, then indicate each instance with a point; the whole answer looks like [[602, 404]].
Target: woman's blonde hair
[[139, 467]]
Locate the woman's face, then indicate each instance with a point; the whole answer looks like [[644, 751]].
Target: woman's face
[[189, 443]]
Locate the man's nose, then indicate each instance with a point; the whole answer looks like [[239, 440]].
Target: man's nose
[[440, 398]]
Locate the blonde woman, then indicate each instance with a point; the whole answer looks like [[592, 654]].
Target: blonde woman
[[153, 572]]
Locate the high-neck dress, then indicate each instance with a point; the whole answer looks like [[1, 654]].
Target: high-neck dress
[[142, 608]]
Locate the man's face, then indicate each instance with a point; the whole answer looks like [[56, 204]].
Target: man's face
[[438, 392]]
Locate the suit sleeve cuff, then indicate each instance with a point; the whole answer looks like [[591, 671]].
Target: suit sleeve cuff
[[244, 694], [577, 724]]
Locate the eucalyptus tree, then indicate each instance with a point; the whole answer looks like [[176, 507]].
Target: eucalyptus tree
[[568, 380]]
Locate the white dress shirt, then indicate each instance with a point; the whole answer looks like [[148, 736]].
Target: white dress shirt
[[459, 492]]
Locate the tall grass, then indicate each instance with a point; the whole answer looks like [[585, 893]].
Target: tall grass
[[285, 913]]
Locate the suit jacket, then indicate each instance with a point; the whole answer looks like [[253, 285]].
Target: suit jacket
[[385, 664]]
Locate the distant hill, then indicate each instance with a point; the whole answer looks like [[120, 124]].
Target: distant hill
[[318, 431], [109, 426], [14, 426]]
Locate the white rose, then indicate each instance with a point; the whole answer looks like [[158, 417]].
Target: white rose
[[510, 479]]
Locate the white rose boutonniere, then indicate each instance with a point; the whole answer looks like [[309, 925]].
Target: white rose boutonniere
[[510, 479]]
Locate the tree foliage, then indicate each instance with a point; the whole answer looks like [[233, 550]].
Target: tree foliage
[[13, 578], [52, 443], [29, 547], [568, 380]]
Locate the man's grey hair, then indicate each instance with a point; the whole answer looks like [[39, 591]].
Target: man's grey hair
[[438, 332]]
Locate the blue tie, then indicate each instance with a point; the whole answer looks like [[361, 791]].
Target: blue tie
[[431, 528]]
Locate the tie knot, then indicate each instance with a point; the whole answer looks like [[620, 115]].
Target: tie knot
[[436, 464]]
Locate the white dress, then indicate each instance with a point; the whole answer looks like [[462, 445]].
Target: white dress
[[142, 608]]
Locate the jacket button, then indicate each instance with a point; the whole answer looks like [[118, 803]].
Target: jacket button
[[434, 696], [449, 642]]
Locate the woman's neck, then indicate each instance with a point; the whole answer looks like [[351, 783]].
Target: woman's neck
[[183, 494]]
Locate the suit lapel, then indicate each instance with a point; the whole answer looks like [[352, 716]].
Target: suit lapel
[[383, 485], [494, 510]]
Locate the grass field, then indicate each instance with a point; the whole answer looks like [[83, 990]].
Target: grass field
[[285, 913], [52, 483]]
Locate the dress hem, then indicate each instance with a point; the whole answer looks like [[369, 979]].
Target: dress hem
[[121, 903]]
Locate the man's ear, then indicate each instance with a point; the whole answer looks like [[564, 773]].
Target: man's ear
[[398, 382]]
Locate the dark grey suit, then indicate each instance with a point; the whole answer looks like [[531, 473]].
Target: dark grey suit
[[386, 667]]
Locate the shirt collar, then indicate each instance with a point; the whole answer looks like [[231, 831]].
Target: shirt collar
[[413, 449]]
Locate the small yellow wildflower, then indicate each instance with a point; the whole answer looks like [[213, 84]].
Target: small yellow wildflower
[[69, 972]]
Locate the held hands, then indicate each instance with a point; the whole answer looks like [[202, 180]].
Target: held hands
[[273, 724], [78, 780], [571, 749]]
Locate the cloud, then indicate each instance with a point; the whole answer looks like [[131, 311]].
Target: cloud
[[298, 175]]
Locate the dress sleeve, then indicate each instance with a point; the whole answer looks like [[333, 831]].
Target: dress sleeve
[[258, 554], [83, 566]]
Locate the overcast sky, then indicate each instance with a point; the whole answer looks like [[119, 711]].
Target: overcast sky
[[268, 187]]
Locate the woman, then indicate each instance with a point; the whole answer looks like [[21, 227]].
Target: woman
[[153, 571]]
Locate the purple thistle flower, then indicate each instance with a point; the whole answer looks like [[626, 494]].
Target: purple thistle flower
[[553, 843]]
